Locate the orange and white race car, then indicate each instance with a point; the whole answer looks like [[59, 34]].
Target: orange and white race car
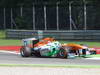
[[49, 47]]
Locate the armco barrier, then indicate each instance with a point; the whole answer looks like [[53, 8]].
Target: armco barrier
[[20, 34], [62, 35]]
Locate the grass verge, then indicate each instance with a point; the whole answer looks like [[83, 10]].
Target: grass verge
[[5, 42], [97, 55], [50, 66]]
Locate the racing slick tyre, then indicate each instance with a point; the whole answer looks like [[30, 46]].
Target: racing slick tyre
[[63, 53], [25, 51]]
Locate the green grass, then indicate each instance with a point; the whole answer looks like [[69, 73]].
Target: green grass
[[5, 42], [97, 55], [8, 42], [50, 66]]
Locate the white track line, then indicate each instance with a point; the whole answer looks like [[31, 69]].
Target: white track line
[[94, 58], [12, 52]]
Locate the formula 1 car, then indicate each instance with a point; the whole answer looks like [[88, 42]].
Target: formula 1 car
[[49, 47]]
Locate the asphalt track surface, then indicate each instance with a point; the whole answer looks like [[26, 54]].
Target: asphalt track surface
[[9, 58]]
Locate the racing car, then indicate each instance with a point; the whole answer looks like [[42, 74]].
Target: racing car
[[49, 47]]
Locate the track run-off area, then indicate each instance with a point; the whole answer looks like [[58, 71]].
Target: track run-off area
[[13, 57]]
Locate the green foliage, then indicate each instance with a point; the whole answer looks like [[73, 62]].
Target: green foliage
[[93, 13], [12, 3], [20, 22]]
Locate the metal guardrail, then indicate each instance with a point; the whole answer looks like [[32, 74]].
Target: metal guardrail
[[61, 35], [20, 34]]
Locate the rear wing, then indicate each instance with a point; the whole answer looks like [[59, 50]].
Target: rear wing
[[28, 41]]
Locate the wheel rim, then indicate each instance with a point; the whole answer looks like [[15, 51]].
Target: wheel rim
[[61, 53]]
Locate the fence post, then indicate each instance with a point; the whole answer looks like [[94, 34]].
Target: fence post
[[33, 17], [40, 34], [57, 10], [11, 19], [21, 10], [4, 13], [85, 16], [45, 17], [70, 15]]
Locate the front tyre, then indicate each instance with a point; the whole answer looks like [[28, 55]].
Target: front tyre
[[25, 51], [63, 53]]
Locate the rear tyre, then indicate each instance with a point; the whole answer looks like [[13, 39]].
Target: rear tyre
[[25, 51]]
